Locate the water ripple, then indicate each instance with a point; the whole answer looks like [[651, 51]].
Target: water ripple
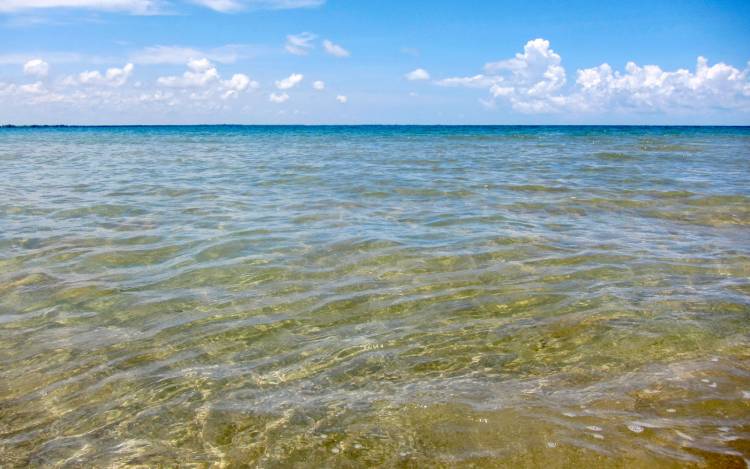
[[358, 297]]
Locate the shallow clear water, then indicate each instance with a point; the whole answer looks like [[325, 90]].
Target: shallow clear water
[[375, 296]]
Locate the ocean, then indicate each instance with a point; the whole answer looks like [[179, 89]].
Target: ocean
[[375, 296]]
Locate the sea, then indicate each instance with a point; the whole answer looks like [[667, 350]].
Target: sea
[[375, 296]]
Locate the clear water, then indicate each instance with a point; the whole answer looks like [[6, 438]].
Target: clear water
[[375, 296]]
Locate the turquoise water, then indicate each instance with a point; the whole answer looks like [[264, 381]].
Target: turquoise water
[[375, 296]]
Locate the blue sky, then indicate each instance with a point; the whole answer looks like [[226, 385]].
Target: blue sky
[[348, 61]]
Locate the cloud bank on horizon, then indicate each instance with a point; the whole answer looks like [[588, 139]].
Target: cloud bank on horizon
[[534, 82], [310, 77]]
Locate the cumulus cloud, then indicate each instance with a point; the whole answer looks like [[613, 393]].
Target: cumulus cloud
[[113, 77], [231, 6], [237, 84], [278, 98], [135, 7], [418, 74], [534, 81], [32, 88], [649, 87], [300, 44], [36, 67], [200, 88], [200, 72], [289, 82], [203, 75], [29, 93], [335, 49], [536, 72]]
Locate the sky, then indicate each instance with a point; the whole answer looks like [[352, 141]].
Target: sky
[[374, 62]]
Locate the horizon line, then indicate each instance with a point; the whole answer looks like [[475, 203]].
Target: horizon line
[[22, 126]]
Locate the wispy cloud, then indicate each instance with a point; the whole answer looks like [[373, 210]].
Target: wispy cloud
[[232, 6], [161, 54], [335, 49], [476, 81], [56, 57], [300, 44], [154, 7], [134, 7], [222, 6]]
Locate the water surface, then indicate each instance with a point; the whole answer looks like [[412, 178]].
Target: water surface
[[375, 296]]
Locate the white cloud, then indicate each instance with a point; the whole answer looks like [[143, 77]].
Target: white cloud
[[30, 93], [165, 55], [231, 6], [135, 7], [649, 87], [289, 82], [200, 72], [530, 80], [240, 82], [158, 96], [50, 57], [203, 76], [175, 55], [200, 89], [32, 88], [151, 7], [476, 81], [114, 77], [535, 82], [237, 84], [36, 67], [335, 49], [278, 98], [300, 44], [223, 6], [200, 65], [418, 74]]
